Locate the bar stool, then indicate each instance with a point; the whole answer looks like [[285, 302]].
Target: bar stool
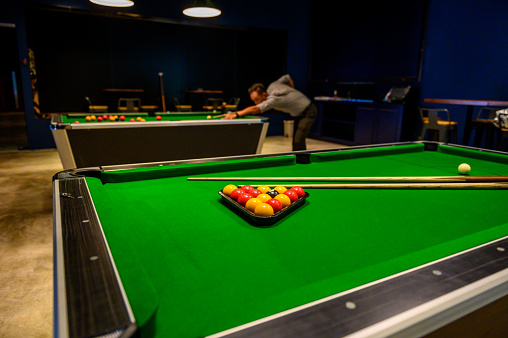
[[213, 104], [181, 107], [128, 105], [433, 123], [503, 136], [483, 125], [150, 109], [98, 109], [232, 105]]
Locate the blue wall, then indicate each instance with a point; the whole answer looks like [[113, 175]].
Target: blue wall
[[466, 53]]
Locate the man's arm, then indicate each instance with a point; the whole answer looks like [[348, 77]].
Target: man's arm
[[252, 110], [287, 80], [291, 83]]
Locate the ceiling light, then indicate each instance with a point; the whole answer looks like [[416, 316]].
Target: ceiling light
[[202, 9], [113, 3]]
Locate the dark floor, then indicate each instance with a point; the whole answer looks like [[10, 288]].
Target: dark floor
[[13, 134]]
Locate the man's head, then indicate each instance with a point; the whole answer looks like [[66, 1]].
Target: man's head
[[257, 93]]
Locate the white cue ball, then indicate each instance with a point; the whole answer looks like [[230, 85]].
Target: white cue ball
[[464, 168], [209, 117]]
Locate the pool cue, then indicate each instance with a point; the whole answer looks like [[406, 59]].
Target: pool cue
[[408, 179], [162, 93], [216, 116], [439, 185]]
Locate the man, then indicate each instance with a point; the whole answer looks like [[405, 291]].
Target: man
[[282, 95]]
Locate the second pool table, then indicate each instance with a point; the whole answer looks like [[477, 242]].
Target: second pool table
[[176, 136], [142, 248]]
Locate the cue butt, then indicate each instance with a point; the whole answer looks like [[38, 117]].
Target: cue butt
[[162, 93]]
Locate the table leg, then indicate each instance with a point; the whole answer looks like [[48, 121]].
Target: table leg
[[467, 126]]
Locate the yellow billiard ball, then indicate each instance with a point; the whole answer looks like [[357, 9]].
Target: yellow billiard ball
[[264, 197], [209, 117], [88, 118], [283, 199], [264, 189], [252, 204], [228, 189], [280, 189], [263, 209]]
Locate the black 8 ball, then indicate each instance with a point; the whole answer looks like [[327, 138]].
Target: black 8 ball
[[272, 193]]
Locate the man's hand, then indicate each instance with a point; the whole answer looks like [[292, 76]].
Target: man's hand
[[230, 116]]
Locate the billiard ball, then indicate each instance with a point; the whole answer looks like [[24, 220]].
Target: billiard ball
[[76, 121], [122, 118], [275, 204], [280, 189], [209, 117], [293, 196], [112, 118], [142, 120], [228, 189], [104, 117], [244, 197], [252, 204], [263, 209], [272, 193], [235, 193], [247, 188], [464, 168], [299, 191], [99, 119], [88, 118], [132, 120], [139, 118], [158, 118], [255, 192], [264, 197], [93, 118], [283, 199], [264, 188]]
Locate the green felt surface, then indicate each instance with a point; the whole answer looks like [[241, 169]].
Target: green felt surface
[[81, 118], [192, 267]]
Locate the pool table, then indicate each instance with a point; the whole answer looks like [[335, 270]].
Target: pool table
[[140, 248], [176, 136]]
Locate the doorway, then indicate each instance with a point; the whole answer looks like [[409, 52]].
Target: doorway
[[13, 132]]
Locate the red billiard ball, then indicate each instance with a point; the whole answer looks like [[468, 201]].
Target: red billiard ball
[[99, 119], [244, 197], [133, 120], [299, 191], [122, 118], [159, 117], [76, 121], [235, 193], [105, 117], [275, 204], [292, 195], [255, 192], [247, 188]]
